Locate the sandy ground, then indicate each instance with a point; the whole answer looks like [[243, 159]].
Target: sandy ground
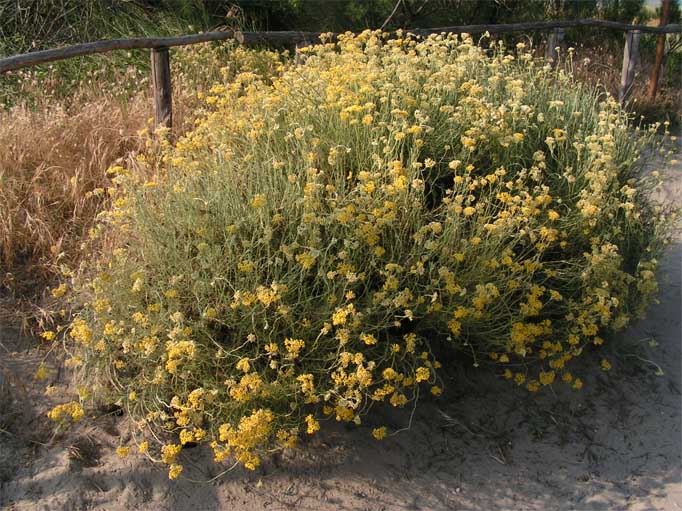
[[615, 445]]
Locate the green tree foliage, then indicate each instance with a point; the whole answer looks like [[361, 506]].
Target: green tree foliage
[[35, 24], [27, 25], [338, 15]]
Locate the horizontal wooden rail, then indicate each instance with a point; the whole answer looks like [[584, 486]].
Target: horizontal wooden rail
[[137, 43], [541, 26], [251, 38]]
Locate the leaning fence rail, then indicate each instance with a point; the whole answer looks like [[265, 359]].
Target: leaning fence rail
[[161, 76]]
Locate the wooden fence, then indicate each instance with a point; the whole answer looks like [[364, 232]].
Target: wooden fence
[[161, 74]]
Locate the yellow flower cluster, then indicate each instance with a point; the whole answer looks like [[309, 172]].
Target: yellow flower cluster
[[253, 431], [67, 412]]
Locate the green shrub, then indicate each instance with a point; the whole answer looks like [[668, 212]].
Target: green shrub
[[306, 248]]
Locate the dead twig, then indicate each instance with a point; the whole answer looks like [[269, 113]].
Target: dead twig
[[390, 16]]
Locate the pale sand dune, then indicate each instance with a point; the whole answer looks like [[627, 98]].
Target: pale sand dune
[[616, 445]]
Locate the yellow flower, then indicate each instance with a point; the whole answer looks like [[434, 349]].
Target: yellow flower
[[468, 211], [258, 201], [468, 142], [60, 291], [243, 365], [455, 326], [245, 266], [369, 187], [307, 382], [174, 471], [555, 295], [48, 335], [169, 453], [62, 413], [547, 378], [288, 438], [368, 339], [379, 433], [80, 331], [410, 342], [306, 260], [41, 373], [122, 451], [436, 391], [605, 364], [312, 425], [389, 373], [294, 347], [186, 437], [340, 315], [143, 447], [533, 386], [422, 374]]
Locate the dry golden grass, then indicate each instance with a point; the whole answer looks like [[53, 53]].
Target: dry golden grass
[[49, 159], [602, 65], [51, 156]]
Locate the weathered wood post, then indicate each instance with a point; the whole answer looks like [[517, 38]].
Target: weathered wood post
[[660, 49], [300, 57], [161, 83], [630, 55], [554, 40]]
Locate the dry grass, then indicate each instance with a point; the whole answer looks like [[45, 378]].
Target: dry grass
[[603, 65], [49, 159], [84, 451]]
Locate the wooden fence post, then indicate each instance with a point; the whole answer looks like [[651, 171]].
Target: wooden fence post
[[660, 49], [554, 40], [300, 57], [630, 55], [161, 83]]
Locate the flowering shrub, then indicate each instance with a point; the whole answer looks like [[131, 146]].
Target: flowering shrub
[[303, 250]]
